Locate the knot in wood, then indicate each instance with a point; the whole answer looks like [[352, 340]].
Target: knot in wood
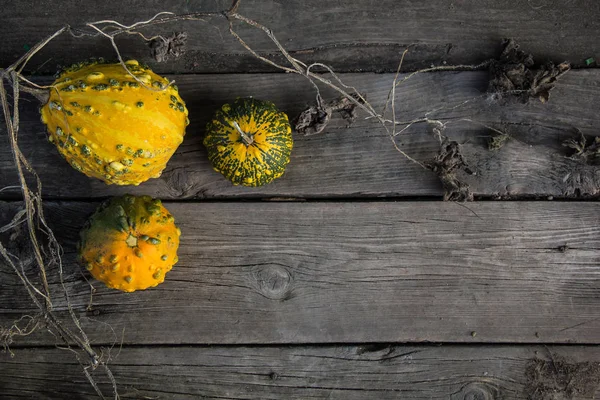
[[477, 391], [273, 281]]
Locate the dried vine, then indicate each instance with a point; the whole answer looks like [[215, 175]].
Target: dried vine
[[45, 248]]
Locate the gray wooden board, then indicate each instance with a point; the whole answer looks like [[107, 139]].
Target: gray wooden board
[[360, 160], [322, 372], [350, 36], [312, 272]]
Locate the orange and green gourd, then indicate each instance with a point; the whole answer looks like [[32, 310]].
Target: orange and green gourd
[[130, 243], [249, 141], [110, 126]]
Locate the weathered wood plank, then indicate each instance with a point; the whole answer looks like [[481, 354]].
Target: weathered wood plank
[[323, 372], [360, 161], [355, 272], [350, 36]]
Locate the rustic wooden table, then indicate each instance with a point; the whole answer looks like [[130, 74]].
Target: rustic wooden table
[[349, 277]]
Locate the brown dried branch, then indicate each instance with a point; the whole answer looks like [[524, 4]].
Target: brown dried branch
[[448, 160], [164, 48], [515, 72], [315, 119], [584, 150], [447, 163]]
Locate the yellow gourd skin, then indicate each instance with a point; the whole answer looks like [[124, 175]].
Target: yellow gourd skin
[[130, 243], [249, 141], [109, 126]]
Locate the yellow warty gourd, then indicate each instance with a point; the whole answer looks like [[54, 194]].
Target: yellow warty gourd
[[109, 126], [130, 243]]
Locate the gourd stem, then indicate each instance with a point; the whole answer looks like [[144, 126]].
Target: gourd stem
[[246, 137], [131, 241]]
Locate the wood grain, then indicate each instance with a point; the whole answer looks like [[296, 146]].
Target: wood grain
[[350, 36], [360, 161], [378, 371], [276, 272]]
